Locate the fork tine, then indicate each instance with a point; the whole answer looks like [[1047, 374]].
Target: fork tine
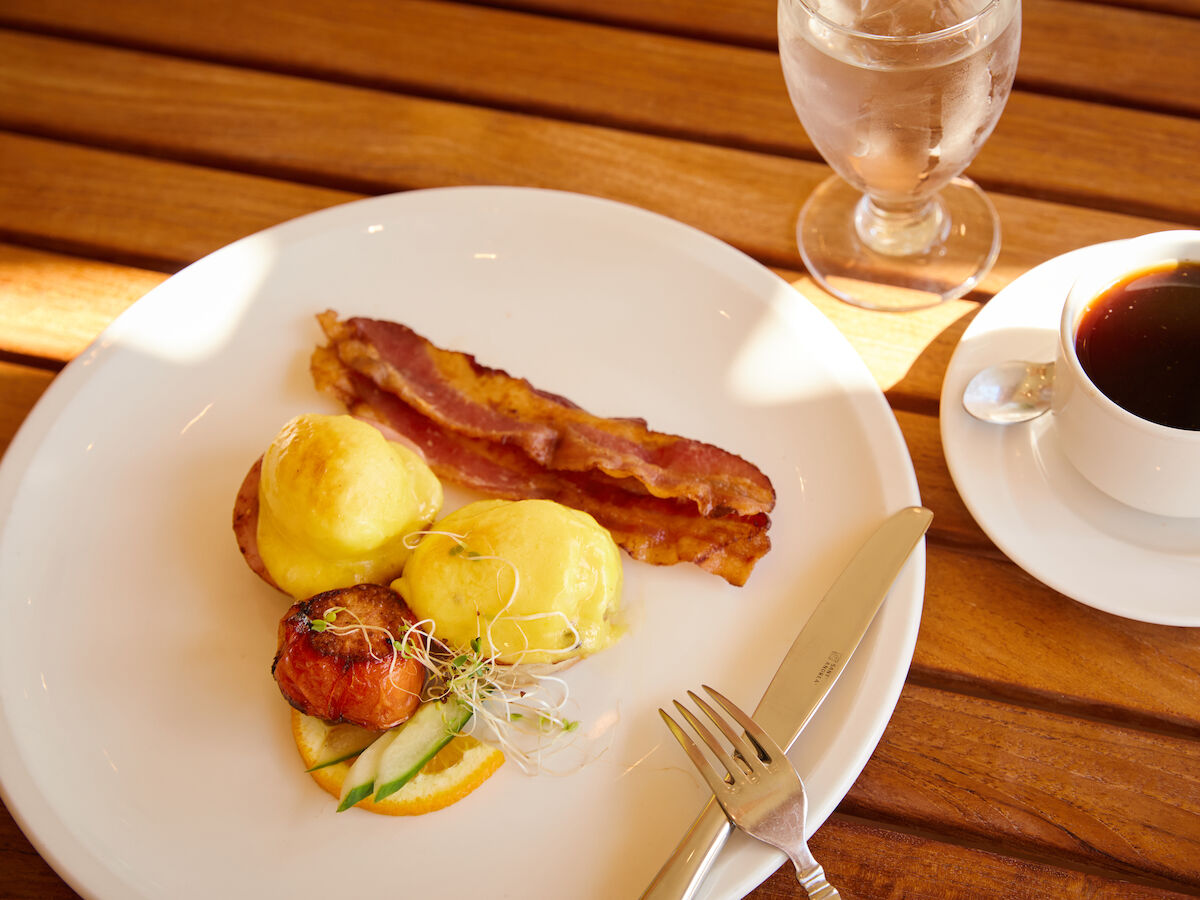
[[715, 781], [769, 747], [745, 749], [710, 740]]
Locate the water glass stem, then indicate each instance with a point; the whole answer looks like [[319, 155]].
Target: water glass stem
[[900, 228]]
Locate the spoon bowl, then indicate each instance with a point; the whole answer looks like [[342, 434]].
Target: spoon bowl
[[1010, 392]]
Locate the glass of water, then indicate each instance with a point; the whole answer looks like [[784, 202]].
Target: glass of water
[[898, 96]]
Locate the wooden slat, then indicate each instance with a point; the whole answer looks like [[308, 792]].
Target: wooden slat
[[1071, 48], [909, 357], [131, 209], [865, 861], [20, 388], [952, 523], [1089, 663], [53, 306], [753, 21], [646, 82], [1037, 783], [169, 214], [26, 875], [1126, 56]]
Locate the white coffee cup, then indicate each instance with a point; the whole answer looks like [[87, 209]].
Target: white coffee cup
[[1146, 465]]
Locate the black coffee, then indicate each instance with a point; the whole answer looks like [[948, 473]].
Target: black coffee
[[1139, 343]]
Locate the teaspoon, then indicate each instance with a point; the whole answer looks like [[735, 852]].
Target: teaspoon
[[1009, 392]]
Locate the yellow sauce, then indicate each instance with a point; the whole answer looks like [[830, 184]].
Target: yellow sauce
[[336, 501], [534, 580]]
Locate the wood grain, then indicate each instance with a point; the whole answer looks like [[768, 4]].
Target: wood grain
[[753, 21], [26, 876], [1124, 56], [213, 113], [160, 214], [1040, 648], [20, 388], [52, 305], [1033, 782], [126, 209], [866, 862]]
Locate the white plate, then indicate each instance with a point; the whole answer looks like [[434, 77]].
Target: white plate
[[1029, 499], [143, 744]]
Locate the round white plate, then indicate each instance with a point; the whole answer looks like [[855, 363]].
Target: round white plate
[[1029, 499], [143, 744]]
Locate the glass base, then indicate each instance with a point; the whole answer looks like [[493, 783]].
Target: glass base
[[964, 243]]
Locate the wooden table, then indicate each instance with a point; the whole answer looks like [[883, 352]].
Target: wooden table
[[1040, 748]]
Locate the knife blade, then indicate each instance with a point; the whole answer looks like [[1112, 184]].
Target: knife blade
[[811, 667]]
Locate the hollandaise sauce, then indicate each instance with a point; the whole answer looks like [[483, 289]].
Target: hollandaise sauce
[[531, 580], [336, 502]]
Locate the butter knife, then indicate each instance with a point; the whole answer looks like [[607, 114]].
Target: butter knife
[[804, 678]]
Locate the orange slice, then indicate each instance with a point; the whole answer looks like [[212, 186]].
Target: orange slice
[[459, 768]]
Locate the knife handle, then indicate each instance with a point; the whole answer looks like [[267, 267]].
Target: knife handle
[[681, 875]]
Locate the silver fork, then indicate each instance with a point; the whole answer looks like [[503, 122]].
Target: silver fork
[[763, 794]]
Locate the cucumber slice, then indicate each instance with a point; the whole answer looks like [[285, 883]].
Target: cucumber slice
[[417, 741], [360, 780], [341, 742]]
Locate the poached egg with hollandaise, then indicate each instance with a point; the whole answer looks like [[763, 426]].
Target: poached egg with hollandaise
[[336, 502], [534, 581]]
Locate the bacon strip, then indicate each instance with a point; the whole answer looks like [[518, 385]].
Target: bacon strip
[[658, 530], [459, 394]]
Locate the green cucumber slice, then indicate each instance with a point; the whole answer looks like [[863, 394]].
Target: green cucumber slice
[[417, 741], [360, 780], [342, 742]]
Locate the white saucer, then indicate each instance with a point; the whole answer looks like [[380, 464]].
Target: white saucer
[[1032, 503]]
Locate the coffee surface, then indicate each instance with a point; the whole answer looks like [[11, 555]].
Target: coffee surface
[[1139, 343]]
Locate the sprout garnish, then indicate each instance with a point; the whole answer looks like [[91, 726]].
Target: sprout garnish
[[520, 705]]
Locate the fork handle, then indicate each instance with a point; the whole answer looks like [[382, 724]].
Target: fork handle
[[811, 876]]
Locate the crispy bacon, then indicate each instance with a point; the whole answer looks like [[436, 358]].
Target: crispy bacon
[[654, 529], [458, 393], [346, 670]]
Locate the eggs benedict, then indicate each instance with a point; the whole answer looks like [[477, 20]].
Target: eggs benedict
[[531, 581], [336, 500]]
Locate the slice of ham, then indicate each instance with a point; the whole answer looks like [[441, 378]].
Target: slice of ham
[[245, 523], [458, 393], [651, 528]]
